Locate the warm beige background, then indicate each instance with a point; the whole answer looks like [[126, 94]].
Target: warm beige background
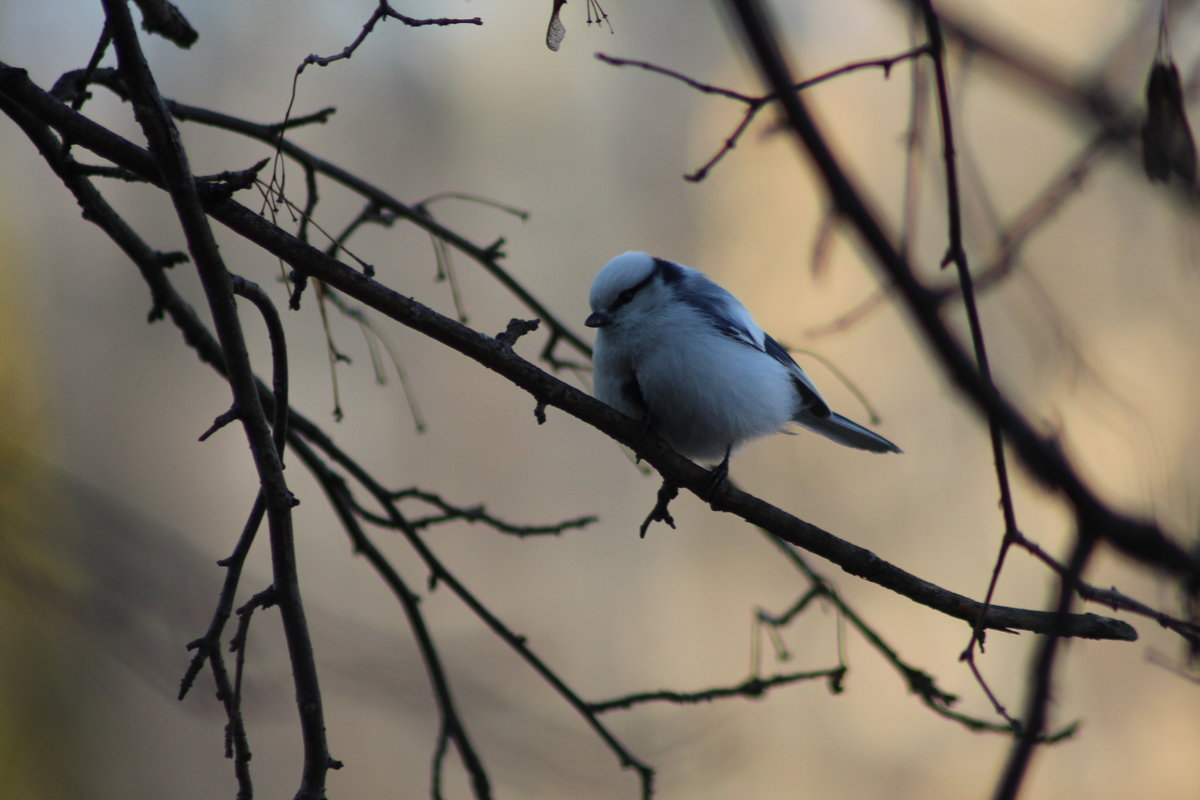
[[1095, 334]]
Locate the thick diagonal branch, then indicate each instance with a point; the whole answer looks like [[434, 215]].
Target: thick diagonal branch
[[546, 388]]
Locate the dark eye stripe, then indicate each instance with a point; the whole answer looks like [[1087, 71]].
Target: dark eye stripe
[[628, 294]]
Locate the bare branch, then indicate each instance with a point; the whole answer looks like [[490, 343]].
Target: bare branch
[[381, 12], [1138, 539], [553, 392], [472, 514], [171, 161], [751, 687], [755, 104]]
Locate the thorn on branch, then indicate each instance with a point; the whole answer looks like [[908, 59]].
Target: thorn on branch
[[170, 259], [264, 599], [299, 281], [221, 421], [223, 185], [203, 648], [319, 117], [495, 250], [515, 330]]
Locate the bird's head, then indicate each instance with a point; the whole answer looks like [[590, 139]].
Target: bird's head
[[629, 286]]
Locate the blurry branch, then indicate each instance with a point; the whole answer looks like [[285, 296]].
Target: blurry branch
[[1095, 521], [1137, 539], [36, 113], [754, 104], [919, 682], [1010, 239], [547, 389], [1112, 598], [84, 76], [1087, 99], [1041, 674]]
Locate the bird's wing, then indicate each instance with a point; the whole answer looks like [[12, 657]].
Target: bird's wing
[[730, 317], [813, 402], [724, 311]]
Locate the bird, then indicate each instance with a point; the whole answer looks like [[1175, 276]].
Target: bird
[[683, 355]]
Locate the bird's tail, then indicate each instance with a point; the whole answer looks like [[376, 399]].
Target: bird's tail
[[847, 432]]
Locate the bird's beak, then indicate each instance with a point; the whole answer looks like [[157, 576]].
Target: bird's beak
[[597, 319]]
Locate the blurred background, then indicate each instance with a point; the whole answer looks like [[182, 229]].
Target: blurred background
[[113, 516]]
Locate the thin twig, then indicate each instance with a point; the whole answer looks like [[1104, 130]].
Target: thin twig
[[956, 254], [479, 513], [441, 575], [1138, 539], [452, 727], [751, 687], [755, 104], [381, 12], [171, 161], [1041, 676], [1154, 546]]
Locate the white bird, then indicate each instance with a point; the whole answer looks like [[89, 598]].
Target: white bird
[[683, 355]]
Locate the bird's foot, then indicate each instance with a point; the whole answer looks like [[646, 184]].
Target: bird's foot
[[659, 513], [717, 477]]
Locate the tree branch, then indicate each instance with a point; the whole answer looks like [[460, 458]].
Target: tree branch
[[171, 163], [1138, 539], [547, 389]]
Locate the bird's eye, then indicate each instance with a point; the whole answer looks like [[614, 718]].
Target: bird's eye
[[628, 294]]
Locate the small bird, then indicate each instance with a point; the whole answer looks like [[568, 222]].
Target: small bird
[[683, 355]]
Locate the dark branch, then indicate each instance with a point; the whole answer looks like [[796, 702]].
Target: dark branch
[[546, 388], [755, 104], [171, 163], [381, 12], [1138, 539], [751, 687], [165, 19]]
